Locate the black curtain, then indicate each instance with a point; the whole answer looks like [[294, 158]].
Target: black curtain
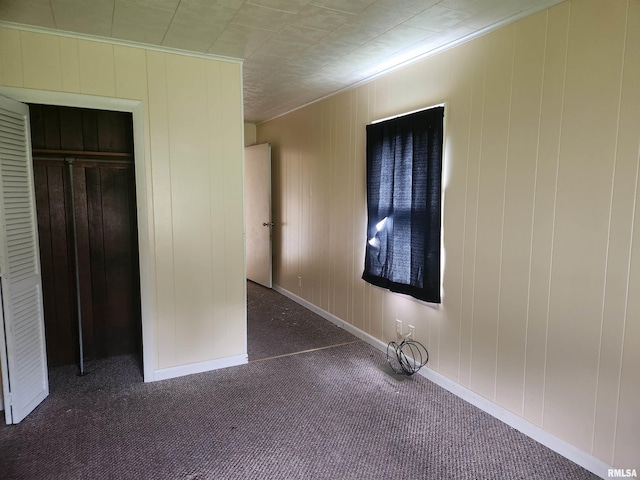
[[404, 171]]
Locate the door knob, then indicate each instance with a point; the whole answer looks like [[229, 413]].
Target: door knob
[[268, 224]]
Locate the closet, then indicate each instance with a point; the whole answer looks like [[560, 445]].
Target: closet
[[85, 200]]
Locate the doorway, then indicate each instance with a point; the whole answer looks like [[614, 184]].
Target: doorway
[[87, 225], [257, 200]]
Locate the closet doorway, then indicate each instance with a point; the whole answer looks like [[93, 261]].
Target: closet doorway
[[87, 226]]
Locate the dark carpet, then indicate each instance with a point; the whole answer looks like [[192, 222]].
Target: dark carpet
[[277, 326], [324, 414]]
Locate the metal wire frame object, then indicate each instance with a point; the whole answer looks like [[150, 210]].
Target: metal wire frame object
[[407, 357]]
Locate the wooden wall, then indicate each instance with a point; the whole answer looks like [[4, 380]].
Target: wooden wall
[[189, 183], [106, 229], [540, 312], [80, 129]]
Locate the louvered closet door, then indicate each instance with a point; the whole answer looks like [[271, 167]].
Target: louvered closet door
[[24, 360]]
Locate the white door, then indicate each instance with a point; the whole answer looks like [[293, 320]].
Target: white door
[[22, 345], [257, 200]]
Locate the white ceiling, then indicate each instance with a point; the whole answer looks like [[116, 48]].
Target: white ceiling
[[295, 51]]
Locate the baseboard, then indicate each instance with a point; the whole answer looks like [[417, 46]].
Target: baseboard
[[199, 367], [531, 430], [588, 462]]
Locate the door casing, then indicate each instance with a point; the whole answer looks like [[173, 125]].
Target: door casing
[[143, 197], [258, 218]]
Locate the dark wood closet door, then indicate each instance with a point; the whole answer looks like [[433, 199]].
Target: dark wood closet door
[[106, 228]]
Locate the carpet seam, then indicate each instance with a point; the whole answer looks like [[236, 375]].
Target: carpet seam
[[305, 351]]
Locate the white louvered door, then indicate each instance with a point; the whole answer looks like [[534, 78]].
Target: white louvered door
[[22, 351]]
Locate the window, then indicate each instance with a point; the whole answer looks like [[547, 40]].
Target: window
[[404, 171]]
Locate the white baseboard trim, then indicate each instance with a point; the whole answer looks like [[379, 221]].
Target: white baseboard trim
[[531, 430], [199, 367]]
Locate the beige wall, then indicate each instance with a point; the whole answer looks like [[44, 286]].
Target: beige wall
[[541, 311], [249, 134], [195, 307]]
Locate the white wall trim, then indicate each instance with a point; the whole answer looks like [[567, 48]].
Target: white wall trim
[[144, 198], [531, 430], [199, 367], [116, 41]]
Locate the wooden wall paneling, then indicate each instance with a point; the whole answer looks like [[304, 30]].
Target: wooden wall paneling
[[334, 205], [98, 282], [41, 70], [617, 415], [389, 315], [95, 67], [115, 134], [359, 201], [121, 321], [549, 244], [140, 82], [583, 218], [518, 211], [163, 220], [627, 420], [342, 217], [51, 126], [289, 216], [11, 58], [190, 202], [557, 21], [317, 230], [276, 211], [231, 157], [279, 203], [90, 131], [70, 124], [63, 261], [49, 299], [324, 198], [476, 71], [306, 289], [105, 208], [130, 72], [455, 184], [84, 259], [69, 64], [217, 214], [66, 128], [62, 335], [37, 126], [495, 125]]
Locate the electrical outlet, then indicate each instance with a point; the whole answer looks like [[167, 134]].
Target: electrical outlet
[[398, 328], [299, 281], [411, 335]]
